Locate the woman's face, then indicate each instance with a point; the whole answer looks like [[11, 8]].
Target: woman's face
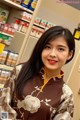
[[55, 54]]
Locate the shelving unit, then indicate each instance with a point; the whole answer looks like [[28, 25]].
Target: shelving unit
[[16, 6], [20, 40]]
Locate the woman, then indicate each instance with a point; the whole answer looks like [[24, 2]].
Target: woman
[[36, 89]]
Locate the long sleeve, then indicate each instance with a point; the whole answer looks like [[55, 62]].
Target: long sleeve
[[66, 107], [6, 95]]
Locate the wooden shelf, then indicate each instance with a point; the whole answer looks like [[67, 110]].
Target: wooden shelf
[[40, 26], [14, 5], [6, 67], [6, 34], [22, 19]]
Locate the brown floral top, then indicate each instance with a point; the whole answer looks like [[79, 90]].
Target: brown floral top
[[54, 101]]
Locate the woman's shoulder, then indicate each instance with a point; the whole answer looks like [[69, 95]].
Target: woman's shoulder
[[67, 92], [66, 89]]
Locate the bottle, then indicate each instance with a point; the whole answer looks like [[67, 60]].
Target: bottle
[[16, 24], [33, 5], [24, 27]]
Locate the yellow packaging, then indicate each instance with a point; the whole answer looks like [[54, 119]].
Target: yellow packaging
[[2, 46]]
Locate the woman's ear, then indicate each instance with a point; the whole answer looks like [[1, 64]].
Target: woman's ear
[[70, 54]]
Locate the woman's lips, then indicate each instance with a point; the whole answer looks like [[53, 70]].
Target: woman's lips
[[52, 62]]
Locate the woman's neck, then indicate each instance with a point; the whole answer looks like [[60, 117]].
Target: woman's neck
[[51, 73]]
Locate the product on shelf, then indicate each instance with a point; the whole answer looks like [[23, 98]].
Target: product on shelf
[[16, 24], [3, 57], [14, 61], [36, 31], [26, 16], [26, 3], [7, 28], [17, 1], [43, 23], [37, 20], [24, 27], [2, 46], [33, 5], [33, 31], [4, 75], [3, 15], [49, 24], [5, 39], [39, 32], [8, 58], [11, 58], [20, 26]]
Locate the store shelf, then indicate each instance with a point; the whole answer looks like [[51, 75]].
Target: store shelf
[[14, 5], [22, 19], [6, 67], [6, 34], [40, 26]]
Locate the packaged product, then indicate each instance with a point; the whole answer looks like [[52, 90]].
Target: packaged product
[[43, 23], [49, 24], [2, 46], [33, 5], [14, 61], [33, 31], [3, 15], [3, 57], [26, 3], [2, 77], [9, 58], [5, 39], [37, 20], [24, 27], [18, 1], [39, 32], [16, 24]]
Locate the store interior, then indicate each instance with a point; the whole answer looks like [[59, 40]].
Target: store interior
[[22, 28]]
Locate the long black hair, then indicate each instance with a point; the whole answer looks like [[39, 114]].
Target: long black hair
[[34, 64]]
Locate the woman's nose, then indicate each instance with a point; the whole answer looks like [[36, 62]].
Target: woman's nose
[[53, 53]]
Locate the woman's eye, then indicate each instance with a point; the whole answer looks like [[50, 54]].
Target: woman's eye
[[47, 47], [60, 49]]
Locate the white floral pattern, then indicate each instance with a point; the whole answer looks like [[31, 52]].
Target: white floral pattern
[[30, 103]]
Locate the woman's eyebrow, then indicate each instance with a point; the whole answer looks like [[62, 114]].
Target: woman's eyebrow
[[63, 46]]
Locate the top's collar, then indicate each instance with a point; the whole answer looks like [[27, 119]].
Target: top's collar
[[55, 78]]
